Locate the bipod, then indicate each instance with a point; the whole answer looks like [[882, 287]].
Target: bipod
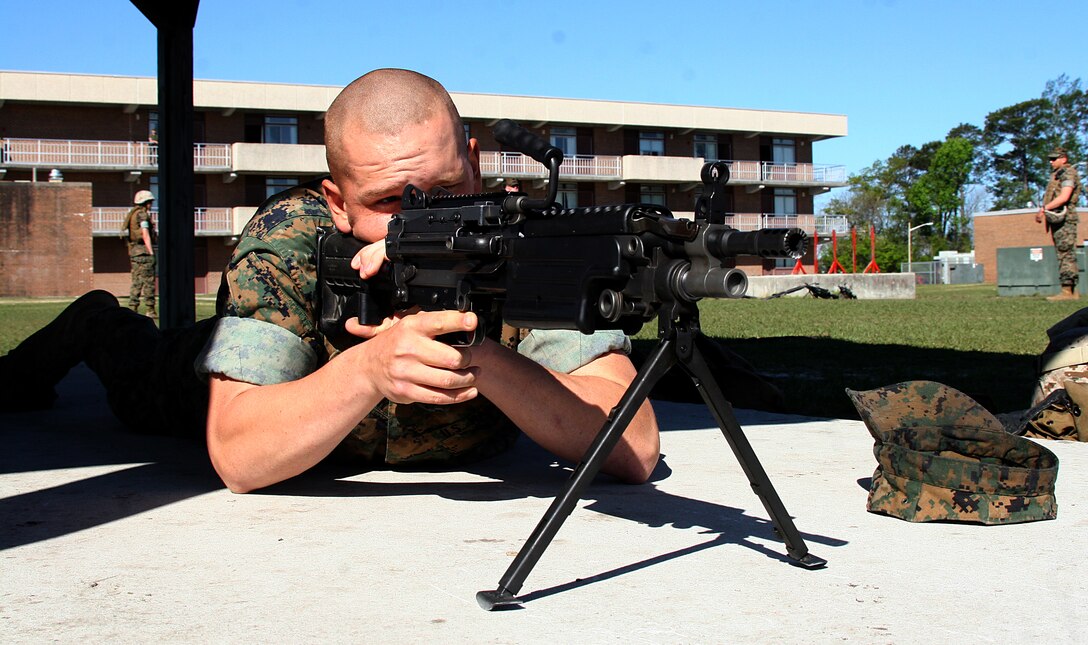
[[680, 344]]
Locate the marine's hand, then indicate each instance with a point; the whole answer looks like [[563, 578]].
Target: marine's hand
[[369, 259], [404, 362]]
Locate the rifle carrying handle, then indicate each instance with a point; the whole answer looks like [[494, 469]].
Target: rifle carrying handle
[[514, 136]]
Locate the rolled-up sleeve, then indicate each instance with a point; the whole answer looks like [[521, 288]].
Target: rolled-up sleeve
[[253, 351], [565, 350]]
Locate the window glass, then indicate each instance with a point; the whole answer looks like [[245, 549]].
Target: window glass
[[566, 139], [280, 129], [785, 201], [273, 185], [567, 195], [652, 194], [706, 147], [783, 151], [651, 144]]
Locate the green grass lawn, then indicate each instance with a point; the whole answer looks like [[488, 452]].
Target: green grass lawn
[[964, 336]]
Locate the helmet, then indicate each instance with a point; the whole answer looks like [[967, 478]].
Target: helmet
[[143, 196]]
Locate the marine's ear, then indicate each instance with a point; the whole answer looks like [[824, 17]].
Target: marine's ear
[[337, 209]]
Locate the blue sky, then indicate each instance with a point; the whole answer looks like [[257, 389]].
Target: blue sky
[[902, 72]]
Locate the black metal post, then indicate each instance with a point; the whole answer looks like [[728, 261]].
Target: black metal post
[[174, 22]]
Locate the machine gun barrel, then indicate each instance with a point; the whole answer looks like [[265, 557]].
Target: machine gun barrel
[[765, 243]]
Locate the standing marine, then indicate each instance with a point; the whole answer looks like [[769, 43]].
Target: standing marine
[[1059, 209], [140, 231]]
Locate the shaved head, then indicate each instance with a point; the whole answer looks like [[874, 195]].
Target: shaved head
[[384, 102]]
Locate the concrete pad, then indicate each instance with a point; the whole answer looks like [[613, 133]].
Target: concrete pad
[[109, 536], [864, 286]]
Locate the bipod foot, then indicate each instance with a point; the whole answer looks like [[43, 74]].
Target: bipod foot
[[809, 561], [499, 599]]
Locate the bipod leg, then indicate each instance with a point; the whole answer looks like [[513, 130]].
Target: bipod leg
[[505, 596], [696, 367]]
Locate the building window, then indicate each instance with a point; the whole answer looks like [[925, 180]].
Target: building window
[[273, 185], [785, 201], [154, 187], [651, 144], [566, 139], [468, 132], [706, 147], [280, 129], [153, 128], [652, 194], [783, 151], [568, 194]]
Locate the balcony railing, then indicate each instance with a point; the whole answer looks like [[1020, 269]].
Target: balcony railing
[[106, 220], [102, 155], [827, 223], [144, 155], [753, 221], [757, 172], [515, 164]]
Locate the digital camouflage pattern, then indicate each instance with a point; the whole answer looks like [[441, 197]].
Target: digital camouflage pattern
[[141, 262], [142, 268], [1063, 225], [942, 456], [272, 277]]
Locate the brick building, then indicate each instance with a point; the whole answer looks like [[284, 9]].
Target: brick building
[[254, 139], [1012, 229]]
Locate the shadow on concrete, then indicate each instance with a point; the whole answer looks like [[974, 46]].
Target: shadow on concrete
[[529, 471], [814, 373], [81, 433]]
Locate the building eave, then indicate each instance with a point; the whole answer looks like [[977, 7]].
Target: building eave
[[127, 91]]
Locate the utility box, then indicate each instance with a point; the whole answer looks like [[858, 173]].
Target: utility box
[[1032, 271]]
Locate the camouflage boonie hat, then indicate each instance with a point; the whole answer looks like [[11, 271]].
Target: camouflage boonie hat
[[942, 456], [1058, 152]]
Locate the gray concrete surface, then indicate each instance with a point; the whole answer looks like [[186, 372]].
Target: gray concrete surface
[[107, 536], [865, 286]]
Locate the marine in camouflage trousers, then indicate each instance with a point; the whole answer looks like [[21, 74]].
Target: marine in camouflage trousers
[[143, 281], [1065, 243]]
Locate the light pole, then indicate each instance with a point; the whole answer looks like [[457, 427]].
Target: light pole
[[910, 262]]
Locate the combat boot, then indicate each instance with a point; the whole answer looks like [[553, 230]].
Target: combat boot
[[151, 313], [29, 372], [1068, 293]]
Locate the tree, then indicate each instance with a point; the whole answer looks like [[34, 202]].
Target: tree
[[1016, 142], [939, 194], [1068, 118]]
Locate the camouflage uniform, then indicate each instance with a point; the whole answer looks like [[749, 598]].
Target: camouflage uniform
[[269, 334], [1064, 229], [942, 456], [141, 261]]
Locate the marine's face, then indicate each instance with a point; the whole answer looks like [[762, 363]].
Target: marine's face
[[1057, 162], [378, 167]]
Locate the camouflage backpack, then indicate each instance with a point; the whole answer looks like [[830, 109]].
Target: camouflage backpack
[[1061, 392]]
